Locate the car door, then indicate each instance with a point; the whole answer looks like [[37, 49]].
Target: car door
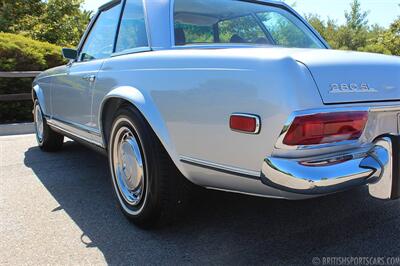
[[131, 39], [73, 90]]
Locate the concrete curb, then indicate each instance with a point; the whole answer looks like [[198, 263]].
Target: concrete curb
[[16, 129]]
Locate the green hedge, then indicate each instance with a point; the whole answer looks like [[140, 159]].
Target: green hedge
[[19, 53]]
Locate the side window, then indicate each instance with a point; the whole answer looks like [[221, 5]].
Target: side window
[[285, 32], [100, 42], [132, 33], [241, 30], [186, 33]]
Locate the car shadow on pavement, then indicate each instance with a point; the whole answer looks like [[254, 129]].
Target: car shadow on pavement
[[217, 228]]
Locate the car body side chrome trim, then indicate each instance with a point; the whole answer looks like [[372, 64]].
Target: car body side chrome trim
[[84, 134], [398, 123], [246, 193], [391, 108], [221, 168]]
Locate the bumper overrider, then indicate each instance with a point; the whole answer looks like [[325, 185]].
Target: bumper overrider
[[377, 167]]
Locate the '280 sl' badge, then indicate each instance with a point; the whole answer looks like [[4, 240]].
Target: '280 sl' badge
[[351, 88]]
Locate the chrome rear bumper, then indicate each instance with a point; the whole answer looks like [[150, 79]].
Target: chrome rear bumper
[[377, 167]]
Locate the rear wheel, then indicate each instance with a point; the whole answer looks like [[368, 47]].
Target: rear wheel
[[147, 184], [47, 139]]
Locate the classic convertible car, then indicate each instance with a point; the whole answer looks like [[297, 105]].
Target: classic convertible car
[[234, 95]]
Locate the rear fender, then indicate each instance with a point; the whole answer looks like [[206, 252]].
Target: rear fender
[[150, 112]]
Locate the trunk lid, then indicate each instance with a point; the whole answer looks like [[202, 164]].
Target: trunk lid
[[348, 77]]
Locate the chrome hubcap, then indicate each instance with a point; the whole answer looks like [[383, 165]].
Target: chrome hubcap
[[128, 166], [39, 122]]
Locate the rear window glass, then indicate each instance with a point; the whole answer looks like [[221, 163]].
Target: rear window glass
[[239, 22]]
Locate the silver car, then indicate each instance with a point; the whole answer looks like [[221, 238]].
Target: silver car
[[240, 96]]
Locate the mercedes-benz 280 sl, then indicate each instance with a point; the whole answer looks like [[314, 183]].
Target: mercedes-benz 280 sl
[[235, 95]]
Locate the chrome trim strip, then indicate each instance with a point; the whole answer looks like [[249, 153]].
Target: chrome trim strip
[[132, 51], [109, 5], [256, 117], [147, 26], [220, 167], [62, 126], [76, 126], [390, 108], [398, 123], [245, 193]]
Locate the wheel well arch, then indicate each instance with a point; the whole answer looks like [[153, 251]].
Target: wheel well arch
[[37, 94], [34, 96], [110, 106], [147, 109]]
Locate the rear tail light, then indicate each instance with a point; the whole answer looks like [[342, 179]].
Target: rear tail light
[[326, 128]]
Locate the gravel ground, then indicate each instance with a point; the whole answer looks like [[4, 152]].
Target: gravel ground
[[59, 209]]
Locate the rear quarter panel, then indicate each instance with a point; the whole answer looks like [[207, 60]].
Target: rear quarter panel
[[194, 92]]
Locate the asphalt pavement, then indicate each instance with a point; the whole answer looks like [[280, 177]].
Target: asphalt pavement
[[58, 208]]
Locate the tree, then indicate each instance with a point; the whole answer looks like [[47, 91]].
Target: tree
[[353, 34], [356, 34], [60, 22], [12, 12], [356, 19], [392, 38], [328, 29]]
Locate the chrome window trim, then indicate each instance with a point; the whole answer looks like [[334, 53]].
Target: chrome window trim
[[147, 25], [132, 51], [109, 5], [258, 123], [223, 46], [220, 167], [172, 23]]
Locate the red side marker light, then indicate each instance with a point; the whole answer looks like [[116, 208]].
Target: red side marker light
[[245, 123]]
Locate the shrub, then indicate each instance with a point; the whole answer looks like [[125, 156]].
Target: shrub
[[18, 53]]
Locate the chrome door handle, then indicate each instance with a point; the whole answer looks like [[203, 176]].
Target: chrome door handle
[[89, 78]]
